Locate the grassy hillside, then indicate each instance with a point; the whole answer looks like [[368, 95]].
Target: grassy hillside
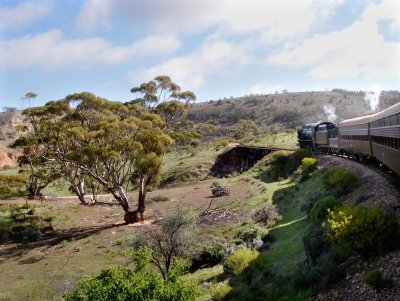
[[287, 110]]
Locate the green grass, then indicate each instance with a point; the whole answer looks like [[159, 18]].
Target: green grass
[[9, 171], [185, 165], [287, 139], [287, 250]]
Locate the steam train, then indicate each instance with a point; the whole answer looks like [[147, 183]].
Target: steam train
[[375, 136]]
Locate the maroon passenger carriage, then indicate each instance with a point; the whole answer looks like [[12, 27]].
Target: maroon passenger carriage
[[354, 137], [384, 130], [371, 136]]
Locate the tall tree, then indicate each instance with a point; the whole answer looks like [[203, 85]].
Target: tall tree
[[114, 144], [164, 97]]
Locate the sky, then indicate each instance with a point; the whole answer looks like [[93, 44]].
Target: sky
[[215, 48]]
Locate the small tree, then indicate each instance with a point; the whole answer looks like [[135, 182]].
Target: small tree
[[245, 128], [170, 240], [34, 161]]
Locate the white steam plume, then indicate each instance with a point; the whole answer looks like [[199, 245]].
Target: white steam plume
[[372, 96], [330, 112]]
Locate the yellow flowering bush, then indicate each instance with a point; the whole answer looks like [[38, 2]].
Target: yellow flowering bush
[[365, 231]]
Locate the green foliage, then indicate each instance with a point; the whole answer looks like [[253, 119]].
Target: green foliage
[[141, 257], [250, 234], [340, 180], [117, 145], [308, 165], [320, 209], [120, 284], [210, 255], [221, 292], [298, 156], [240, 260], [283, 164], [377, 280], [12, 185], [169, 241], [245, 128], [314, 243], [365, 231], [22, 227], [223, 142], [320, 277]]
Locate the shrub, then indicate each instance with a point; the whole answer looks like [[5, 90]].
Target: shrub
[[377, 280], [267, 215], [308, 165], [210, 256], [220, 190], [159, 198], [367, 232], [320, 209], [331, 272], [249, 235], [314, 243], [239, 260], [310, 200], [305, 278], [48, 219], [223, 142], [340, 180], [31, 234], [320, 277], [283, 165], [221, 292], [122, 284], [298, 156]]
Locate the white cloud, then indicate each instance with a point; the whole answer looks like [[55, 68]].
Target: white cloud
[[94, 13], [50, 51], [191, 70], [358, 50], [24, 14], [388, 10], [274, 20]]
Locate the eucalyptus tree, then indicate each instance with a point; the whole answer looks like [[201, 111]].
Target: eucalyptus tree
[[36, 166], [116, 145], [48, 128], [164, 97]]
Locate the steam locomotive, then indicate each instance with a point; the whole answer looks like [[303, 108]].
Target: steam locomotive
[[372, 136]]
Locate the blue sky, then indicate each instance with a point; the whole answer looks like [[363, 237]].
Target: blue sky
[[215, 48]]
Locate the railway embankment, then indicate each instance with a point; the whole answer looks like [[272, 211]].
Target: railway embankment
[[376, 188]]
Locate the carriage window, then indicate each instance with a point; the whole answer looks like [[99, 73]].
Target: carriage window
[[393, 120]]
